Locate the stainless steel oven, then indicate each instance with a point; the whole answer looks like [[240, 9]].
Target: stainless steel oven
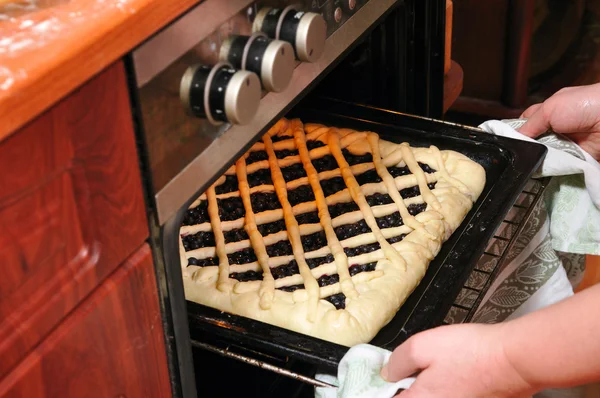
[[208, 85]]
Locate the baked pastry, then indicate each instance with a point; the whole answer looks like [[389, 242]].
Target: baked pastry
[[324, 231]]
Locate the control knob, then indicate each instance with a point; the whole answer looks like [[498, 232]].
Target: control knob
[[305, 31], [272, 60], [220, 94]]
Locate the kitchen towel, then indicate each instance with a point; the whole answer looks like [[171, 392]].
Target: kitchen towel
[[546, 259], [358, 376]]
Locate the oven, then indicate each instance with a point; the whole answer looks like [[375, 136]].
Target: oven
[[206, 87]]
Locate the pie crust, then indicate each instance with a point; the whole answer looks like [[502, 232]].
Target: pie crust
[[439, 187]]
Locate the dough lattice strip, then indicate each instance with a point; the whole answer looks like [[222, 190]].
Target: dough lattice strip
[[310, 283], [340, 258], [215, 222], [267, 289]]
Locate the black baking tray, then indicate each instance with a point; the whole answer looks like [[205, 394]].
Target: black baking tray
[[508, 163]]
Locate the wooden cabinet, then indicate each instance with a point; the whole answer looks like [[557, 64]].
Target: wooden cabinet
[[72, 212], [110, 346]]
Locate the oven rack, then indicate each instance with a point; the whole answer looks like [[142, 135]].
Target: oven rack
[[465, 305], [493, 259]]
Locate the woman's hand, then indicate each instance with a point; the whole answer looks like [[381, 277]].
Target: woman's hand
[[457, 361], [573, 111]]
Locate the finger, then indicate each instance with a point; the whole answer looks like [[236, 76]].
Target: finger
[[537, 123], [530, 111], [403, 363]]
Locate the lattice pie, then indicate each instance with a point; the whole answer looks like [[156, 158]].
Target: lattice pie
[[324, 231]]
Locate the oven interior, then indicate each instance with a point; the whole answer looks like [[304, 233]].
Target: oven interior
[[395, 65]]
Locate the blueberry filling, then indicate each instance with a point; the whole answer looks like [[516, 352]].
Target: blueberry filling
[[410, 192], [256, 156], [230, 185], [301, 194], [415, 209], [235, 235], [264, 201], [204, 262], [292, 288], [197, 215], [277, 138], [390, 221], [247, 276], [312, 144], [341, 208], [396, 239], [231, 208], [198, 240], [379, 199], [315, 262], [426, 168], [431, 185], [368, 177], [314, 241], [260, 177], [398, 171], [293, 172], [327, 280], [243, 256], [358, 250], [353, 159], [325, 163], [349, 230], [288, 269], [271, 227], [358, 268], [281, 248], [338, 300], [284, 153], [333, 185], [308, 218]]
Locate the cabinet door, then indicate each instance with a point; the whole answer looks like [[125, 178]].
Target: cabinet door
[[71, 209], [110, 346]]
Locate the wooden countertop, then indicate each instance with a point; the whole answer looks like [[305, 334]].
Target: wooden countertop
[[48, 48]]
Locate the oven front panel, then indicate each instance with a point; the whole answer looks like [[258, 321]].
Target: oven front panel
[[186, 153]]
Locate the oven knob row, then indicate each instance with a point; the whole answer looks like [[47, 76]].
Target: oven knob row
[[220, 93], [272, 60], [230, 91], [305, 31]]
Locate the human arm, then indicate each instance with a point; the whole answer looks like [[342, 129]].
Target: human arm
[[558, 346]]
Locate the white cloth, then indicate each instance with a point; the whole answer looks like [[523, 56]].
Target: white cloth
[[358, 376]]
